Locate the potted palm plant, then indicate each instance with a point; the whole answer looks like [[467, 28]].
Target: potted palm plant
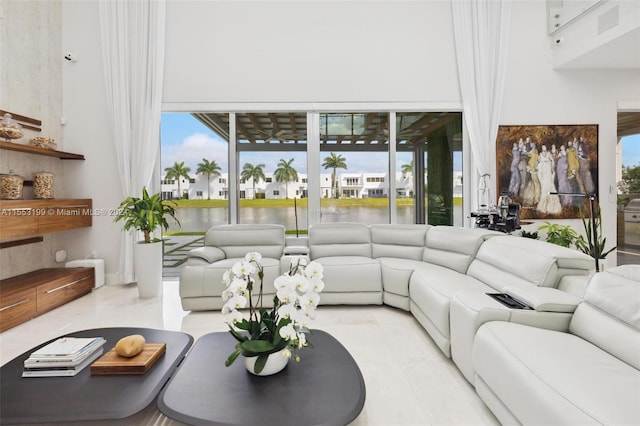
[[146, 215], [595, 243]]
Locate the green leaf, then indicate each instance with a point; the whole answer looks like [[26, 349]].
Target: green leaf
[[239, 337], [255, 347], [233, 356], [243, 325], [261, 361], [254, 329]]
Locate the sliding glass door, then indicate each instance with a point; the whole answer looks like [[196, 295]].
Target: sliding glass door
[[366, 170]]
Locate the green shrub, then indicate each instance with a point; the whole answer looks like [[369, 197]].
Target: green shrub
[[562, 235]]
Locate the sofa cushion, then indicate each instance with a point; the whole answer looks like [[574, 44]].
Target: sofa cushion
[[514, 261], [454, 247], [208, 254], [339, 239], [399, 241], [206, 281], [346, 274], [612, 302], [396, 273], [238, 240], [549, 377]]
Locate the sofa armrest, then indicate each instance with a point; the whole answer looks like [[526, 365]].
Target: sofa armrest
[[208, 253], [544, 299]]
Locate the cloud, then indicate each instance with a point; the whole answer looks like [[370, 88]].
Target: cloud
[[193, 149]]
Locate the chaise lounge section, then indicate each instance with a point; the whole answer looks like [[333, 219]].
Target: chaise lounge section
[[586, 374]]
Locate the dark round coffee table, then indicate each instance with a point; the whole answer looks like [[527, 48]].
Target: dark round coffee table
[[324, 388], [65, 400]]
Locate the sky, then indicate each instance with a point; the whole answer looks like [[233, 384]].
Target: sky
[[183, 138], [631, 151]]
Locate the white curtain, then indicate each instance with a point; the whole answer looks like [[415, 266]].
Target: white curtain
[[133, 34], [481, 29]]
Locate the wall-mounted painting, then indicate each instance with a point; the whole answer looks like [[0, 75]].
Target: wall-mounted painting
[[535, 161]]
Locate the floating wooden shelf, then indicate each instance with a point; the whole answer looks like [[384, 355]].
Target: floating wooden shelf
[[22, 242], [10, 146], [27, 218]]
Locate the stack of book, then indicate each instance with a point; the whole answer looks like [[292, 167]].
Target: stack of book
[[66, 356]]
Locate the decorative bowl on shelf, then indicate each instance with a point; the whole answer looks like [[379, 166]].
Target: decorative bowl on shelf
[[43, 142], [11, 186], [9, 129]]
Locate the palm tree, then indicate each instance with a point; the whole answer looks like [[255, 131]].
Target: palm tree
[[407, 168], [209, 169], [285, 173], [255, 173], [334, 162], [177, 171]]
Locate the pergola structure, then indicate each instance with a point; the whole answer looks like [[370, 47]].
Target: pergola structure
[[367, 131], [437, 133]]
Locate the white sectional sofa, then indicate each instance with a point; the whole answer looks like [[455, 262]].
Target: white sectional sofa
[[445, 277], [586, 374]]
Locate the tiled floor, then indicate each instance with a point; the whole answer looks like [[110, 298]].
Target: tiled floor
[[409, 381]]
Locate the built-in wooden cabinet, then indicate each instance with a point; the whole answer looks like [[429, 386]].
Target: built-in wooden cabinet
[[28, 295], [26, 218]]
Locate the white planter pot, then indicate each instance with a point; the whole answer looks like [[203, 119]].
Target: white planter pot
[[275, 363], [147, 260]]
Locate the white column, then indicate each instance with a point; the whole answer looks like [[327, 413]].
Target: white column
[[313, 168], [392, 168], [234, 195]]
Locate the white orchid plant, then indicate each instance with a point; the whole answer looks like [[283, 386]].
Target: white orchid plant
[[282, 327]]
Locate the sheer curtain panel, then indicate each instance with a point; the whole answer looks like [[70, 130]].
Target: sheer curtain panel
[[133, 35], [481, 29]]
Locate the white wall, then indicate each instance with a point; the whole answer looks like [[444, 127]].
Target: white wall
[[87, 131], [30, 72], [309, 51], [323, 51]]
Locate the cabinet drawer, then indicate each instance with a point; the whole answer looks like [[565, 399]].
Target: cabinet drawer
[[58, 292], [17, 307]]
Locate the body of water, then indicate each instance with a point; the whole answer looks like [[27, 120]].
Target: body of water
[[201, 219]]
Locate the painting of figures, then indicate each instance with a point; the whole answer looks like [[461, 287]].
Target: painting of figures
[[533, 162]]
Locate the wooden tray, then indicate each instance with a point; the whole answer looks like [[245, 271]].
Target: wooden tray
[[112, 363]]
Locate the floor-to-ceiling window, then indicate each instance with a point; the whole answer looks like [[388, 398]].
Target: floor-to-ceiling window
[[194, 171], [429, 167], [354, 155], [272, 168], [356, 180], [194, 174]]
